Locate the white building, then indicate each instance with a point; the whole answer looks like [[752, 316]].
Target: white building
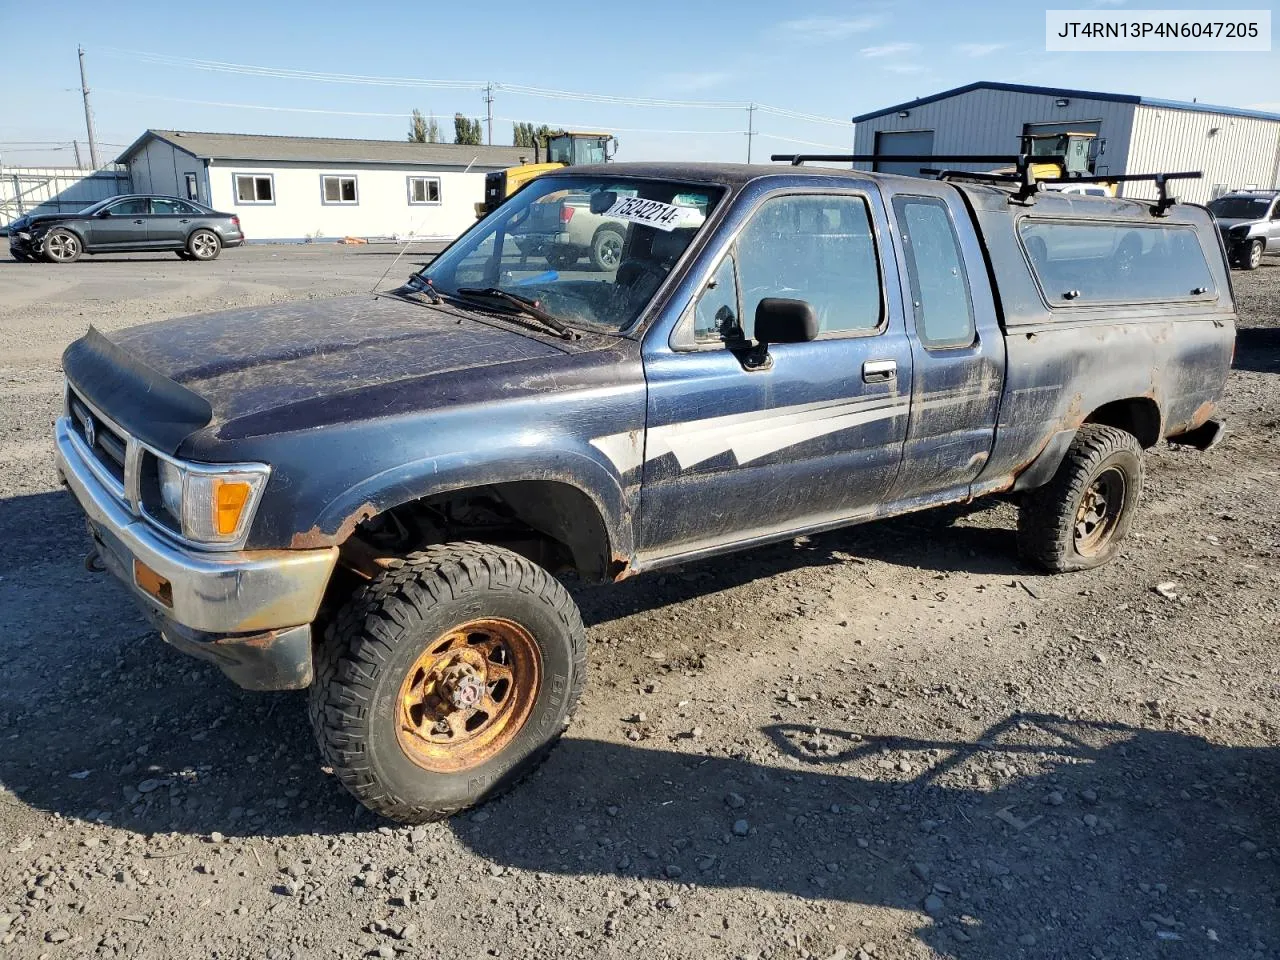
[[316, 188], [1234, 148]]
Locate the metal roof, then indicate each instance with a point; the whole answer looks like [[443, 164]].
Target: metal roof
[[1074, 94], [330, 150]]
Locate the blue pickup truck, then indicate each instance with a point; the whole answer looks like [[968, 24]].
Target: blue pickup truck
[[372, 497]]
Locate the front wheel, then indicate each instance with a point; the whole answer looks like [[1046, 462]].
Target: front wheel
[[1251, 255], [446, 680], [204, 245], [1079, 518], [62, 246]]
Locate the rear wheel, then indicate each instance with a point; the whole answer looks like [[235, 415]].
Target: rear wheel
[[204, 245], [1078, 519], [62, 246], [606, 250], [446, 680]]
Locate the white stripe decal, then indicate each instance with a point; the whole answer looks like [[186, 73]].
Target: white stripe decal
[[758, 433]]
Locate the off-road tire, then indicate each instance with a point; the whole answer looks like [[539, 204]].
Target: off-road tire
[[374, 641], [62, 246], [1047, 516], [606, 250], [204, 245], [1251, 255]]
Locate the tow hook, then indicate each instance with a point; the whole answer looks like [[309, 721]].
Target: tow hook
[[93, 562]]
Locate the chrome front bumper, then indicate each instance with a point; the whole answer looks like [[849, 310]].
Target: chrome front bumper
[[243, 592]]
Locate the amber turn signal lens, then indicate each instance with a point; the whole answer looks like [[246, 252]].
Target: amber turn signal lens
[[154, 584], [229, 499]]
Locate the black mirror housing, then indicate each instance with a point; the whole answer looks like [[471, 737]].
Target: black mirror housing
[[782, 320], [104, 213], [602, 201]]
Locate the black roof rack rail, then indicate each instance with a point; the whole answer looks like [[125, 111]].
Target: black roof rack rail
[[1029, 184], [799, 159]]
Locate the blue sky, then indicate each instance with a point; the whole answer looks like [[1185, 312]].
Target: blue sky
[[825, 59]]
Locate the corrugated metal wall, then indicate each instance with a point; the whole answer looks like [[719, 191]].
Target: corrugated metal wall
[[991, 121], [1241, 151], [26, 190]]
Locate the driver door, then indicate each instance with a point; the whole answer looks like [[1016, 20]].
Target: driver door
[[734, 454], [125, 225]]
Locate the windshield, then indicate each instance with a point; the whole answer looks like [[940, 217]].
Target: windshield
[[1240, 208], [578, 151], [592, 251]]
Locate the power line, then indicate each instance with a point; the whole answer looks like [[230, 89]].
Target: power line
[[252, 106], [288, 73]]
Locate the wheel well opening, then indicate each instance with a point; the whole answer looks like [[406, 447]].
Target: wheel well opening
[[1139, 416], [553, 524]]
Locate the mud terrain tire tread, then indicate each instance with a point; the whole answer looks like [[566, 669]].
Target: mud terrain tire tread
[[360, 641], [1046, 516]]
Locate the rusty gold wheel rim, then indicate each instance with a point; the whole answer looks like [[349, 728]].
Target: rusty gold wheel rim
[[1099, 511], [468, 694]]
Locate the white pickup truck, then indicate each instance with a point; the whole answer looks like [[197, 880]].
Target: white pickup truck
[[563, 229]]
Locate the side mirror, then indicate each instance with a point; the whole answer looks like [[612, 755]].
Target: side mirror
[[105, 213], [780, 320]]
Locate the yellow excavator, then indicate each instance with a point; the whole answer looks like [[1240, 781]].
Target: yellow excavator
[[1064, 155], [565, 149]]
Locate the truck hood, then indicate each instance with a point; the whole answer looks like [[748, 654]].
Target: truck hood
[[1225, 224], [247, 363]]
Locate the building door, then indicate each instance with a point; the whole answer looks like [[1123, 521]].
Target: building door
[[193, 188], [903, 143]]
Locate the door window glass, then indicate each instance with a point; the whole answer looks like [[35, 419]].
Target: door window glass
[[172, 208], [130, 208], [939, 288], [814, 248], [716, 315]]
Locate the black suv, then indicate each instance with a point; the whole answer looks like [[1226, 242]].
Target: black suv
[[128, 224]]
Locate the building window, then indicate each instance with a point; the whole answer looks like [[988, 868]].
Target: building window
[[255, 188], [339, 189], [424, 189]]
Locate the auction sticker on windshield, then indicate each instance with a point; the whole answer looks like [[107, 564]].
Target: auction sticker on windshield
[[650, 213]]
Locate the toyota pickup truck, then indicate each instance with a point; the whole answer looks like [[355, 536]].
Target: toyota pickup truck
[[375, 497]]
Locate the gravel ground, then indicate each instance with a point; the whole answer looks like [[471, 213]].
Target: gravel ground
[[888, 742]]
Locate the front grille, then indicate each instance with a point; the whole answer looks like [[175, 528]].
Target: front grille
[[107, 445]]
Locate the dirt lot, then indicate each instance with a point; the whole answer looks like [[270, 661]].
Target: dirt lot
[[889, 742]]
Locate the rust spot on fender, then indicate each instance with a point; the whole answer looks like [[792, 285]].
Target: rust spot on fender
[[315, 537], [620, 568]]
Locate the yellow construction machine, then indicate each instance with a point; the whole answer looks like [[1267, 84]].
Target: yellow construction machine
[[565, 149], [1059, 156]]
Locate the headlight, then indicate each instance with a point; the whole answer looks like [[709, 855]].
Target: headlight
[[211, 504]]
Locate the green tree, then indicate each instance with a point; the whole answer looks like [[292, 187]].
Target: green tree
[[417, 127], [466, 130], [423, 129]]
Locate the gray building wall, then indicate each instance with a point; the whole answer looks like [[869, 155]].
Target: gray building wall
[[991, 121], [160, 168], [1232, 152]]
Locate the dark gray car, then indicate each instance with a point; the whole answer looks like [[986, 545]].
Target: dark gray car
[[126, 224], [1249, 221]]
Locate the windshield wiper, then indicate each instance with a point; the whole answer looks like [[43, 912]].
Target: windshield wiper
[[524, 305]]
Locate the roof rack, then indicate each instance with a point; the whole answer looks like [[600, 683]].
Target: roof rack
[[1028, 184]]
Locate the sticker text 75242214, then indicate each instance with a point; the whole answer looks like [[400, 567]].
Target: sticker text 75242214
[[650, 213]]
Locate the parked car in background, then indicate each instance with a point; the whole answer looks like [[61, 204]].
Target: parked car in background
[[1249, 221], [563, 229], [127, 224]]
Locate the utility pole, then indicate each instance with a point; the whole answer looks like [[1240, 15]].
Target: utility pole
[[751, 128], [75, 144], [88, 113], [488, 109]]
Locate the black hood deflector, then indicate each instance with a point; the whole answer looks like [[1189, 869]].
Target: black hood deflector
[[157, 410]]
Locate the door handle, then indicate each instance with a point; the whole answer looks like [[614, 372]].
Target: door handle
[[139, 221], [879, 371], [185, 220]]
